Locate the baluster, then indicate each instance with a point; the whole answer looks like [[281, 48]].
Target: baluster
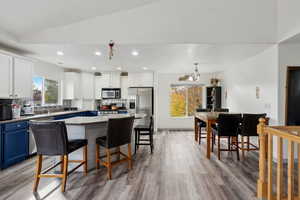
[[279, 168], [290, 170], [270, 162], [262, 183]]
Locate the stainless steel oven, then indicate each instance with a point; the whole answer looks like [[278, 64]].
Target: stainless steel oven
[[111, 93]]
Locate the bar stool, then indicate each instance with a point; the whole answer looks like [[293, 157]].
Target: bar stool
[[118, 133], [52, 140], [144, 130]]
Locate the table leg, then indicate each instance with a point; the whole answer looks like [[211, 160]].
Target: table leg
[[208, 138], [196, 129]]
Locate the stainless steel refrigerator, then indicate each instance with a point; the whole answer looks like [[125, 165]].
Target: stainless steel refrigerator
[[141, 100]]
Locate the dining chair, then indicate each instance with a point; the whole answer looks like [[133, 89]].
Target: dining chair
[[227, 127], [144, 130], [225, 110], [52, 140], [118, 133], [201, 125], [248, 129]]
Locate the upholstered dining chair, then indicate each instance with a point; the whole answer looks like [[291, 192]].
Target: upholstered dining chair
[[248, 129], [201, 125], [227, 127], [52, 140]]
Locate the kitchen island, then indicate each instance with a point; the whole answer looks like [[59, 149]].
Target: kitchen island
[[90, 128]]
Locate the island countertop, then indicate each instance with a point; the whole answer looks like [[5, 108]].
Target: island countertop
[[42, 116], [81, 121]]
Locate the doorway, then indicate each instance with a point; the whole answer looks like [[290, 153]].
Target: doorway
[[293, 96]]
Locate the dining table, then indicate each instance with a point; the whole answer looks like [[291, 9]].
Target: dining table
[[209, 118]]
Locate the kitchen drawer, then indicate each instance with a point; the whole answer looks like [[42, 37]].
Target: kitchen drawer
[[15, 126]]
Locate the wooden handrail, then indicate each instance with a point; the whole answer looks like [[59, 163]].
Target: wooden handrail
[[265, 180]]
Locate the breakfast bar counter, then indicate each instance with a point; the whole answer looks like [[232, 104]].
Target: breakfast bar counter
[[91, 128]]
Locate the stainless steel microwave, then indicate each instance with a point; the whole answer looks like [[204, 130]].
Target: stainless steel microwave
[[111, 93]]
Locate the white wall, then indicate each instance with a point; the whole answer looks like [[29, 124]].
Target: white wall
[[241, 81], [288, 18], [162, 101]]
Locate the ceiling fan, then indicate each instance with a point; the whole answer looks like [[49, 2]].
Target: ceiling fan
[[191, 77]]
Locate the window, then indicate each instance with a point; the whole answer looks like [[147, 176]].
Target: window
[[185, 99], [51, 92], [45, 91], [37, 91]]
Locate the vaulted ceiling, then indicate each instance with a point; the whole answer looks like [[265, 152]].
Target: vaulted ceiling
[[215, 32]]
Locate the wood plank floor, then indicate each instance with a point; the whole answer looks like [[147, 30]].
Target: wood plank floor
[[177, 170]]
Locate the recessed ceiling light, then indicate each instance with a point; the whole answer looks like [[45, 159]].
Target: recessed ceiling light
[[60, 53], [145, 68], [98, 53], [94, 68], [135, 53], [119, 68]]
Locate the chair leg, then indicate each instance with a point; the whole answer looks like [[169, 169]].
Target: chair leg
[[248, 143], [135, 141], [97, 156], [129, 157], [62, 164], [237, 152], [219, 146], [38, 172], [214, 139], [243, 150], [138, 136], [199, 134], [65, 174], [151, 142], [108, 163], [212, 145], [85, 159]]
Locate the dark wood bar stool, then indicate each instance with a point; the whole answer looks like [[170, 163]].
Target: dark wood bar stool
[[52, 140], [118, 133], [144, 130]]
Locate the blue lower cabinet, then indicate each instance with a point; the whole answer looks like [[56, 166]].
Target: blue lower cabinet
[[90, 113], [15, 145]]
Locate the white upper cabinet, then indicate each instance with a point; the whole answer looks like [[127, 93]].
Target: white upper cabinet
[[124, 87], [101, 82], [144, 79], [106, 80], [87, 85], [5, 76], [115, 80], [22, 78], [71, 84]]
